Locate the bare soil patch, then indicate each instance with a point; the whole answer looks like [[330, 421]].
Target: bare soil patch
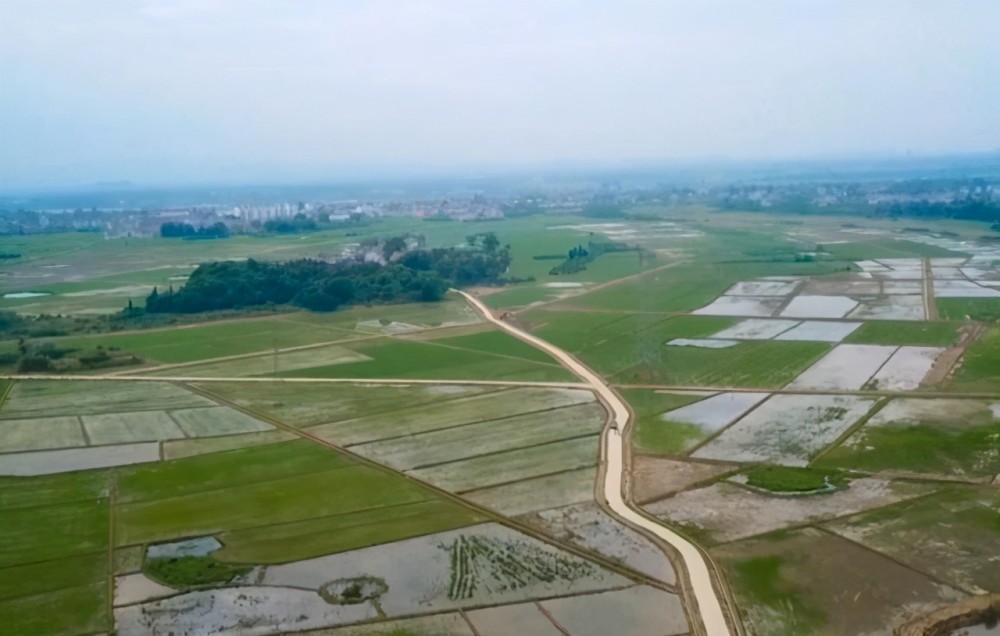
[[658, 477]]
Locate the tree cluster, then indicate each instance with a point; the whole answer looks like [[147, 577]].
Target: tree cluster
[[418, 275], [188, 231]]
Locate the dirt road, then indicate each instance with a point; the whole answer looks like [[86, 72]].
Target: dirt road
[[708, 606]]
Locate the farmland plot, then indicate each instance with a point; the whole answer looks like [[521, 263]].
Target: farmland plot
[[268, 364], [756, 329], [906, 369], [142, 426], [714, 413], [787, 429], [741, 306], [452, 444], [530, 495], [950, 436], [847, 367], [727, 511], [433, 416], [890, 308], [216, 420], [484, 564], [309, 404], [40, 433], [73, 459], [510, 466], [587, 526], [637, 611], [44, 398], [819, 307], [820, 331]]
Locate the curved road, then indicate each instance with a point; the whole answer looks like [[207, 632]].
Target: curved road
[[709, 608]]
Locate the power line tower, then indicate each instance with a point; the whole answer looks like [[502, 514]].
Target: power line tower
[[648, 350]]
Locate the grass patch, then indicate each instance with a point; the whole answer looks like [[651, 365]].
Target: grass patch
[[981, 309], [51, 532], [409, 359], [237, 468], [655, 435], [66, 612], [886, 248], [760, 579], [497, 343], [189, 571], [667, 438], [754, 364], [280, 499], [980, 366], [923, 448], [790, 479], [325, 535], [902, 332], [212, 340]]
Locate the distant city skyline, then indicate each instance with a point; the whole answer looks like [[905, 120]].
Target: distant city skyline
[[161, 92]]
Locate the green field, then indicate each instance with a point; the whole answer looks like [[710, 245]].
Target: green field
[[282, 493], [982, 309], [960, 438], [791, 479], [302, 405], [54, 554], [652, 434], [755, 364], [411, 359], [980, 366], [886, 248], [903, 332], [497, 343], [201, 342]]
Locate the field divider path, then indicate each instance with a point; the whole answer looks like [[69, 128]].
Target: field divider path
[[486, 513], [930, 307], [696, 563]]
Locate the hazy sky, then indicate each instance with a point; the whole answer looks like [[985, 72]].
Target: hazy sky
[[179, 90]]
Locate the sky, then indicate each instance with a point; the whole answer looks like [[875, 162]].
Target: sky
[[177, 91]]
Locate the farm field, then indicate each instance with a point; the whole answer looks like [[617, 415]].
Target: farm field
[[791, 583], [389, 358], [764, 359], [102, 435], [940, 436]]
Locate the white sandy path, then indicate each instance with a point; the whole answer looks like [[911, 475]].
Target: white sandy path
[[906, 369], [70, 459], [848, 367], [716, 412], [819, 307], [756, 329], [708, 607], [820, 331]]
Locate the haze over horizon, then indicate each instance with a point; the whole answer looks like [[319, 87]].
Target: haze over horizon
[[157, 91]]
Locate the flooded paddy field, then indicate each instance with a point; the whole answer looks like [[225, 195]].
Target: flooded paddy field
[[786, 429]]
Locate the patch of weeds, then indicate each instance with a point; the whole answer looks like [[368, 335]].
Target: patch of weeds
[[792, 479], [188, 571], [761, 580]]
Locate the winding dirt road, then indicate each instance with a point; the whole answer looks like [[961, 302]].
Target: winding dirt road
[[708, 606]]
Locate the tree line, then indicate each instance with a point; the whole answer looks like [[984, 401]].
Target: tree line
[[419, 275], [188, 231]]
